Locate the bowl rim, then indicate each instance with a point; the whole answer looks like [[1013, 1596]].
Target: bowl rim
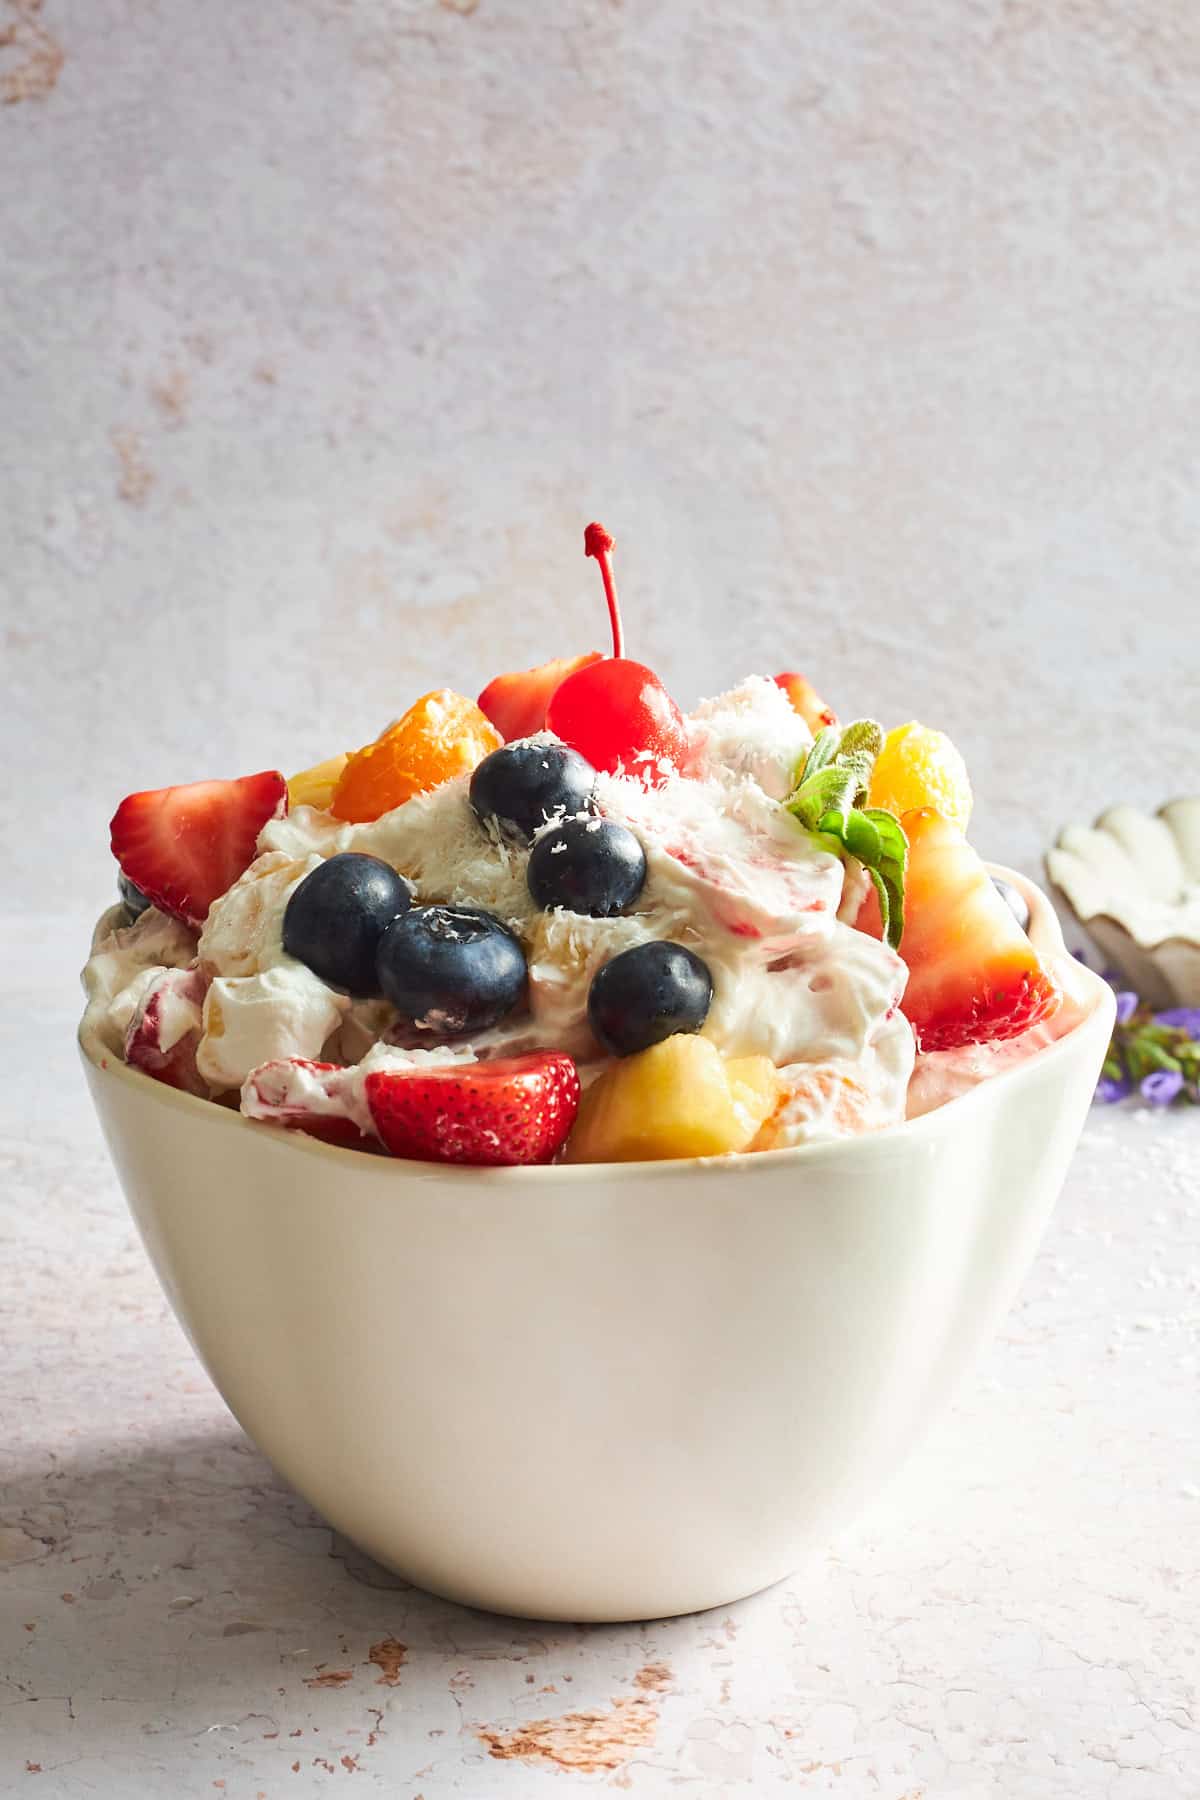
[[1043, 923]]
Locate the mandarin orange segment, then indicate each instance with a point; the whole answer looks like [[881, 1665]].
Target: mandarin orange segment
[[443, 734]]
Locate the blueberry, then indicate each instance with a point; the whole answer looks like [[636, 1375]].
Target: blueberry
[[524, 784], [451, 969], [588, 865], [647, 994], [135, 901], [337, 915], [1015, 901]]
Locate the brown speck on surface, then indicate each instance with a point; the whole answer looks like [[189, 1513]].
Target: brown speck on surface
[[464, 8], [389, 1656], [461, 1681], [33, 1768], [295, 1768], [587, 1743], [265, 372], [31, 1624], [135, 477], [69, 1598], [31, 57], [171, 396], [548, 1689], [319, 1762], [654, 1678], [350, 1764], [299, 1732], [329, 1678]]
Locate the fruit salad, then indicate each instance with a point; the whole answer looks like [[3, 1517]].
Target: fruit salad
[[569, 921]]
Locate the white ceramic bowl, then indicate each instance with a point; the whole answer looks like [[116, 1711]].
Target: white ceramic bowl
[[598, 1392]]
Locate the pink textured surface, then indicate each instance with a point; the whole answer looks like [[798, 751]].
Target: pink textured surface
[[870, 332]]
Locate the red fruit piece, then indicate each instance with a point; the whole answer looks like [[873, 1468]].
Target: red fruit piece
[[806, 701], [616, 712], [183, 846], [516, 704], [164, 1032], [517, 1109], [973, 974], [619, 714], [304, 1096]]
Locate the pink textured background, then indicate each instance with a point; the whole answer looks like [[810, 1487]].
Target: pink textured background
[[871, 332]]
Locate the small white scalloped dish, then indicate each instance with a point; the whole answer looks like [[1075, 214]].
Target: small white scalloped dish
[[600, 1391], [1132, 882]]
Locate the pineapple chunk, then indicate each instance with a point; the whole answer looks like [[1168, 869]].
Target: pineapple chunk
[[314, 787], [679, 1098]]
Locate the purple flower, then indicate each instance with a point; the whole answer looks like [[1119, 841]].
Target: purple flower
[[1127, 1005], [1109, 1090], [1162, 1086], [1181, 1018]]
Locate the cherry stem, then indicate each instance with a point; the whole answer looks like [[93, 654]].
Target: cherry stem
[[599, 543]]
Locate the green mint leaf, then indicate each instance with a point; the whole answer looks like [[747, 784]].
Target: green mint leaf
[[824, 749], [859, 748], [861, 837], [877, 839], [853, 750], [829, 790], [832, 785], [884, 895], [858, 764], [864, 736]]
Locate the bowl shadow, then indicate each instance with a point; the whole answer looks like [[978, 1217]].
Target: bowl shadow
[[180, 1589]]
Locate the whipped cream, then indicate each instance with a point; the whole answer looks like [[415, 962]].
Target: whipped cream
[[252, 1019], [124, 963], [243, 933], [843, 1096], [754, 731]]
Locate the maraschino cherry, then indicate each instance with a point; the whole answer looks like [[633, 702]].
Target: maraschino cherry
[[617, 712]]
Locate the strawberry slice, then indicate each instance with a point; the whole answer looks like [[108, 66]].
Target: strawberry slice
[[517, 1109], [164, 1033], [183, 846], [516, 704], [806, 701], [973, 974]]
